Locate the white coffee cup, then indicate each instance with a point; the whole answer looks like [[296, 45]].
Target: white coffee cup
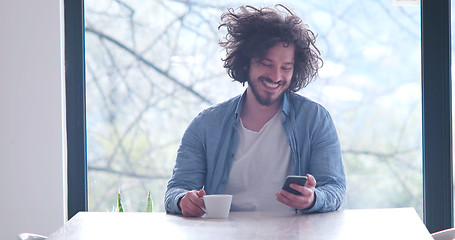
[[217, 205]]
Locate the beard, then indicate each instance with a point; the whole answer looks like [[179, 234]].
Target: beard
[[266, 100]]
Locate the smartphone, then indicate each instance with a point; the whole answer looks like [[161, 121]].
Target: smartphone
[[299, 180]]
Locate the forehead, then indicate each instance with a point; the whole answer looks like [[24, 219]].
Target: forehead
[[281, 53]]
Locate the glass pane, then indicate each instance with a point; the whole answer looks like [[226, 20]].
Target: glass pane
[[153, 65]]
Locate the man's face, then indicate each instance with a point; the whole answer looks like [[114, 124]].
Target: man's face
[[271, 76]]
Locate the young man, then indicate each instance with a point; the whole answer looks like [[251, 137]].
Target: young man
[[247, 145]]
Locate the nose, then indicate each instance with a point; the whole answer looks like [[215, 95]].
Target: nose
[[275, 74]]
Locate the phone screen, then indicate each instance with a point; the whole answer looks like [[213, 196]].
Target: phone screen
[[299, 180]]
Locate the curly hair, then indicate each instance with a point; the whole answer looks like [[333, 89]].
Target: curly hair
[[251, 32]]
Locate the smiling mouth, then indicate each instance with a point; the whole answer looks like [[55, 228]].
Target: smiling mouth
[[269, 83]]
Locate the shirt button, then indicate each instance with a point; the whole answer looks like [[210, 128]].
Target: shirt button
[[223, 181], [232, 155]]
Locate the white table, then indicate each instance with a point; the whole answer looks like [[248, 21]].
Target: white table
[[365, 224]]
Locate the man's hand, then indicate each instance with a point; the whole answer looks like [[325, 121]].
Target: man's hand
[[192, 204], [303, 201]]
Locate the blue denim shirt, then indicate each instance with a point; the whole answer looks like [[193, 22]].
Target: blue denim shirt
[[209, 144]]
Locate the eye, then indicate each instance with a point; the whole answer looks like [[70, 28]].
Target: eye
[[288, 68], [266, 64]]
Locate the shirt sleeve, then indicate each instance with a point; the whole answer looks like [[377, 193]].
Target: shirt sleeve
[[190, 168], [326, 165]]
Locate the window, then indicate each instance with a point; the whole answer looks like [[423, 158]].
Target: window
[[333, 25], [152, 66]]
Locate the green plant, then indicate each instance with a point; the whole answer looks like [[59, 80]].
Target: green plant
[[148, 207], [119, 203]]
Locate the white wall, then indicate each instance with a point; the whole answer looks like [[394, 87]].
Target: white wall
[[32, 197]]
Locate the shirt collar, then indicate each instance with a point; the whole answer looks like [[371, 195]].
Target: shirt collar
[[286, 108], [286, 105], [238, 109]]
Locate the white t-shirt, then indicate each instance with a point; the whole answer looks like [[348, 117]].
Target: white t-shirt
[[260, 166]]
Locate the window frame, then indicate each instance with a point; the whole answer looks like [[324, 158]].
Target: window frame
[[75, 107], [436, 115], [436, 111]]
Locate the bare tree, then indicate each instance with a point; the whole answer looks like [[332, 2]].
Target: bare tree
[[153, 65]]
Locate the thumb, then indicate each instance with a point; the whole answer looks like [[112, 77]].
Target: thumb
[[201, 193], [311, 183]]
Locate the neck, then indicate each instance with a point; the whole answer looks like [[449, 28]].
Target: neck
[[255, 115]]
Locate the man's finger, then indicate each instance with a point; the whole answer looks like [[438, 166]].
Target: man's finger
[[191, 203], [298, 188], [311, 182], [286, 194], [193, 211], [201, 193], [197, 201]]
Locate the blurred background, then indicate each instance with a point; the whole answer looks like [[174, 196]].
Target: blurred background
[[152, 65]]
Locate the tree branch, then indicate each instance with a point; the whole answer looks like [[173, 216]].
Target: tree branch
[[128, 174], [148, 63]]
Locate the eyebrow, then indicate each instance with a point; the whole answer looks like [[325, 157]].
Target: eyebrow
[[286, 63]]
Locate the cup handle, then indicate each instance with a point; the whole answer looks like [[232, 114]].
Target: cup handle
[[203, 208]]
